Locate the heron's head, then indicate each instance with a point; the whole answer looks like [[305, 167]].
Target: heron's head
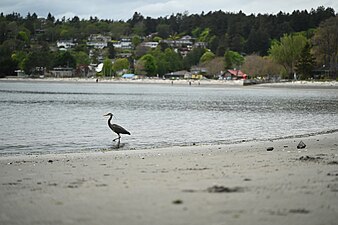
[[108, 114]]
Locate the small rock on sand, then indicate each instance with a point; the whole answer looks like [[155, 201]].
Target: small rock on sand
[[301, 145]]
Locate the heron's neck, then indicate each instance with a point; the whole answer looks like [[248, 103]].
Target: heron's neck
[[110, 117]]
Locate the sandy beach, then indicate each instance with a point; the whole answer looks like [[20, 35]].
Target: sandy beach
[[205, 82], [218, 184]]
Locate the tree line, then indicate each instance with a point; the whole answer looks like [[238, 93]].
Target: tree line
[[232, 40]]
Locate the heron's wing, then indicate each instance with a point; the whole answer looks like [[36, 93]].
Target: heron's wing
[[118, 129]]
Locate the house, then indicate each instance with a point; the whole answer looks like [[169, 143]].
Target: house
[[65, 44], [124, 55], [84, 71], [62, 72], [200, 44], [20, 73], [124, 43], [233, 75], [150, 44], [183, 74], [198, 70], [184, 44], [98, 41]]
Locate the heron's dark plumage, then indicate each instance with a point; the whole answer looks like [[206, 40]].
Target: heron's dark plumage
[[116, 128]]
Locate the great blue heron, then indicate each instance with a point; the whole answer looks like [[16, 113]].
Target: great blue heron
[[116, 128]]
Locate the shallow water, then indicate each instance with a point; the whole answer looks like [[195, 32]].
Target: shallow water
[[47, 117]]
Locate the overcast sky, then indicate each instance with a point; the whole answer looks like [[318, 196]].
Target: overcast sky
[[124, 9]]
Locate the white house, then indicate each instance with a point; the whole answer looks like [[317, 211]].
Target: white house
[[150, 44], [98, 41], [65, 44], [124, 43]]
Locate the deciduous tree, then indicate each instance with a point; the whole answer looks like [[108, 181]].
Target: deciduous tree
[[287, 51], [121, 64], [207, 56], [214, 66], [233, 59], [107, 67], [258, 66], [149, 64]]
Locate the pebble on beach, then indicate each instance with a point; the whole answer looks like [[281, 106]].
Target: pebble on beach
[[269, 148]]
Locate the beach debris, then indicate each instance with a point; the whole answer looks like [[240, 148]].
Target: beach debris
[[269, 149], [194, 169], [333, 163], [190, 190], [332, 174], [299, 211], [310, 158], [10, 183], [177, 201], [222, 189], [301, 145]]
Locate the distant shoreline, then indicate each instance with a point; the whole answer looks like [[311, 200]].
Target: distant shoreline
[[288, 84]]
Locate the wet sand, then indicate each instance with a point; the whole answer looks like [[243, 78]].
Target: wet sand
[[227, 184]]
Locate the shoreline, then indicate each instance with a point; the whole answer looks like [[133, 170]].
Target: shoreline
[[187, 146], [203, 83], [242, 183]]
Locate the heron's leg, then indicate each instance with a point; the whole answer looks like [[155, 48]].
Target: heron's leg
[[119, 137], [118, 143]]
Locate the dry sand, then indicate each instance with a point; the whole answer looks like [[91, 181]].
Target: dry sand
[[228, 184]]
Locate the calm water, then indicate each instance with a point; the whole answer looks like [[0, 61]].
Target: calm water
[[68, 117]]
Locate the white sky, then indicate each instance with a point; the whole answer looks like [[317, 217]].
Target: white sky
[[119, 9]]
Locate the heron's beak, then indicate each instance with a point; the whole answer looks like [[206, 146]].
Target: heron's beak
[[105, 115]]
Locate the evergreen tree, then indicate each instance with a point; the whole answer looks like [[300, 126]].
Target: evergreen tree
[[306, 62], [65, 59], [193, 57], [325, 45]]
